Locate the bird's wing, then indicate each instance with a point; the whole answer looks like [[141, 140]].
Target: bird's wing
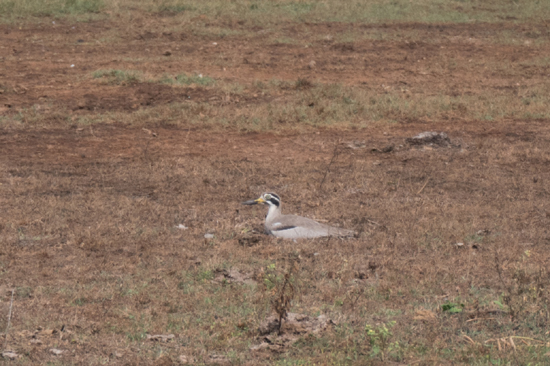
[[299, 226]]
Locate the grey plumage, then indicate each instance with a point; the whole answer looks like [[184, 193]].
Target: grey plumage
[[292, 226]]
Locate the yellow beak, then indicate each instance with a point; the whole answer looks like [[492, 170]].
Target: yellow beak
[[254, 202]]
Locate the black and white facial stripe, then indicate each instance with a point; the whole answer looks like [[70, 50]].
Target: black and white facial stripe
[[272, 198]]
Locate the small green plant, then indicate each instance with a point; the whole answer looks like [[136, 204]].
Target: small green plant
[[79, 301], [205, 275], [452, 308], [271, 278], [380, 341]]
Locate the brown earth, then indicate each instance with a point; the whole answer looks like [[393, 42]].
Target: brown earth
[[89, 212]]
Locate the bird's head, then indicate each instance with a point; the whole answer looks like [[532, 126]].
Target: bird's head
[[270, 199]]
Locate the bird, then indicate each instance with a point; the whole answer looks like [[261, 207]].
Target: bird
[[292, 226]]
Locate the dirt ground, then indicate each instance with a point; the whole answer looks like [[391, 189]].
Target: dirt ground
[[89, 217]]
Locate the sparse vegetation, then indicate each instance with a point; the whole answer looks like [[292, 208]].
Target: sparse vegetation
[[118, 77], [124, 131], [38, 8], [260, 12], [183, 79]]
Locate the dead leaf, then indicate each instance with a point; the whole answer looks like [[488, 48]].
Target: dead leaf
[[425, 315], [57, 351], [10, 355], [186, 360], [48, 332], [233, 276]]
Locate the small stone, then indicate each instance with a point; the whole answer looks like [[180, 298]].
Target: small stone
[[167, 53], [312, 65], [56, 351], [182, 227], [387, 149], [209, 236]]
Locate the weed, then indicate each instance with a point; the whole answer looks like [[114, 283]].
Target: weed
[[282, 301], [452, 308], [204, 275], [526, 290], [380, 341]]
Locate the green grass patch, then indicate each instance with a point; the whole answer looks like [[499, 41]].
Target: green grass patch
[[184, 79], [118, 77], [41, 8]]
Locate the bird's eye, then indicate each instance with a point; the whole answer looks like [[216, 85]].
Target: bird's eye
[[267, 197]]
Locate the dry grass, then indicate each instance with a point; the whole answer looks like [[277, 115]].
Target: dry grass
[[282, 106], [150, 121], [111, 266], [425, 11]]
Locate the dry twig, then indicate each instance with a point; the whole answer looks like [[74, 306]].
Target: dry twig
[[334, 156], [9, 321], [281, 304]]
